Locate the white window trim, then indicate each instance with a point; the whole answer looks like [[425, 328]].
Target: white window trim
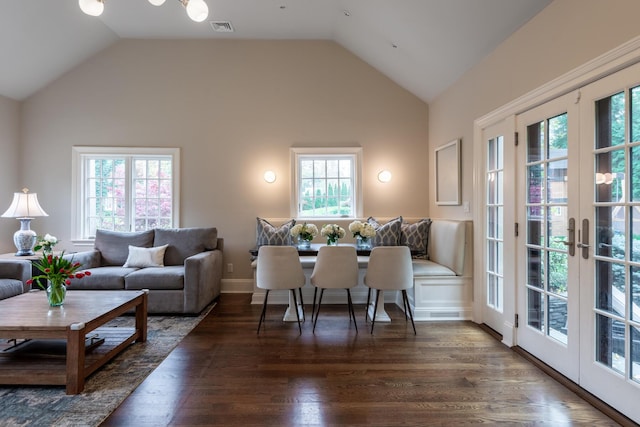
[[296, 152], [77, 184]]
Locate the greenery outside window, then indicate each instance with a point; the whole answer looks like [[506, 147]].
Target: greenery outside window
[[124, 189], [326, 182]]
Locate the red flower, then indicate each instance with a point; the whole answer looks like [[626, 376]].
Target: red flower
[[30, 281], [87, 273]]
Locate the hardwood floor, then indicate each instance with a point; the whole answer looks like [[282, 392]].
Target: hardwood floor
[[450, 373]]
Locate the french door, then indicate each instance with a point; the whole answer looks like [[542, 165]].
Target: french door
[[578, 250], [610, 275], [548, 213]]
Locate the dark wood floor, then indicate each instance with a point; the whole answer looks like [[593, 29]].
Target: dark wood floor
[[451, 373]]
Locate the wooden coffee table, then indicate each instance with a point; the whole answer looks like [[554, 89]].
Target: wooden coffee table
[[66, 328]]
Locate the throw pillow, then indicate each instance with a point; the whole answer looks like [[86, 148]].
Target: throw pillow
[[268, 235], [145, 257], [386, 234], [416, 236], [113, 245]]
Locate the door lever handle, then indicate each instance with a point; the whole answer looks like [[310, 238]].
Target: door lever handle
[[583, 245]]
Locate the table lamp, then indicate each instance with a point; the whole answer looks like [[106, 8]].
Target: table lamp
[[24, 206]]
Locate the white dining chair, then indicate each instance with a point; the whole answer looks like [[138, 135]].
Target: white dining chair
[[390, 269], [279, 268], [336, 268]]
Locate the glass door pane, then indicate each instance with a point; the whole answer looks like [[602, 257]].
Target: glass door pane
[[547, 219]]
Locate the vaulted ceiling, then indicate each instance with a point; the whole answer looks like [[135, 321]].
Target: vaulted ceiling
[[422, 45]]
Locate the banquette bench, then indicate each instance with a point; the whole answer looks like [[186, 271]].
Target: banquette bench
[[443, 284]]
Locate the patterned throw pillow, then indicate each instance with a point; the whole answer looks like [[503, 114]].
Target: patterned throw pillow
[[387, 234], [416, 236], [268, 235]]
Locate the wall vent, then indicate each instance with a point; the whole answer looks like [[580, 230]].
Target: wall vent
[[222, 26]]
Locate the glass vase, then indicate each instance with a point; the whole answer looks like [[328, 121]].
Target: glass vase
[[56, 291], [363, 243], [303, 244], [332, 241]]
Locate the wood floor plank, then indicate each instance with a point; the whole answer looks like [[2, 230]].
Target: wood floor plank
[[450, 373]]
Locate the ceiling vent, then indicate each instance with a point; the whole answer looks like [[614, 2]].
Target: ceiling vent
[[222, 26]]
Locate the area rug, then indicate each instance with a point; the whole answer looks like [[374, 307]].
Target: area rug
[[105, 389]]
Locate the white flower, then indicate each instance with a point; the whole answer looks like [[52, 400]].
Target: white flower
[[333, 231], [361, 229], [305, 231], [50, 239]]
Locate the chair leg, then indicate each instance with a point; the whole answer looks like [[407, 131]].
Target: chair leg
[[304, 317], [313, 308], [318, 311], [352, 313], [264, 311], [375, 309], [366, 310], [406, 300], [295, 304]]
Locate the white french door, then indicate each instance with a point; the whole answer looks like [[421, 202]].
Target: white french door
[[578, 250], [498, 216], [548, 212], [610, 266]]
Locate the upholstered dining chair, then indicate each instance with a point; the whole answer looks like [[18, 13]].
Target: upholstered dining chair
[[390, 269], [278, 268], [336, 268]]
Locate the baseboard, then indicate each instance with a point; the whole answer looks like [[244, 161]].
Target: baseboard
[[237, 286]]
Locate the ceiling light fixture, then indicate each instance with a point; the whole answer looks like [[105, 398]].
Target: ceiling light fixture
[[197, 10]]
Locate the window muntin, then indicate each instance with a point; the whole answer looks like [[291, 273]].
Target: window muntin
[[326, 182], [124, 189]]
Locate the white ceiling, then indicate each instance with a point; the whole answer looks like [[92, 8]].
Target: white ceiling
[[435, 41]]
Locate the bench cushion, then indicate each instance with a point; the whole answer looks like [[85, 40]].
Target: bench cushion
[[425, 268]]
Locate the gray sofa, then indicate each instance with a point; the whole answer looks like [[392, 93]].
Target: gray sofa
[[13, 277], [188, 279]]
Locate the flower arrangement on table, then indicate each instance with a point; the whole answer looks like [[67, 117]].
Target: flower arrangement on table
[[58, 271], [304, 233], [363, 231], [46, 243], [332, 232]]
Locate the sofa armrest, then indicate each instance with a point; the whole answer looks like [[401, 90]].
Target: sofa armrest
[[87, 259], [202, 279], [17, 270]]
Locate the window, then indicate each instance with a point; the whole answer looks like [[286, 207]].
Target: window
[[124, 189], [326, 182]]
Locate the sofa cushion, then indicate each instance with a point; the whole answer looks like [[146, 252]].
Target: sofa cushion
[[102, 278], [114, 245], [145, 257], [269, 235], [185, 242], [156, 278], [10, 288], [386, 234], [416, 236]]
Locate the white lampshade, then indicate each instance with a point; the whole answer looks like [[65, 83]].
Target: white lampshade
[[156, 2], [91, 7], [270, 177], [24, 205], [197, 10]]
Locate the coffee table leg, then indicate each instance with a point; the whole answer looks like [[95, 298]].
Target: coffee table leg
[[75, 358], [141, 317]]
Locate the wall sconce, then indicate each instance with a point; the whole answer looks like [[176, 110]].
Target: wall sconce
[[270, 177], [384, 176]]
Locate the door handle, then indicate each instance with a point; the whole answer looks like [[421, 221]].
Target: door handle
[[572, 234], [584, 244]]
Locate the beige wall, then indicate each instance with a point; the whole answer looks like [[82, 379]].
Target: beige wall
[[565, 35], [234, 108], [9, 141]]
